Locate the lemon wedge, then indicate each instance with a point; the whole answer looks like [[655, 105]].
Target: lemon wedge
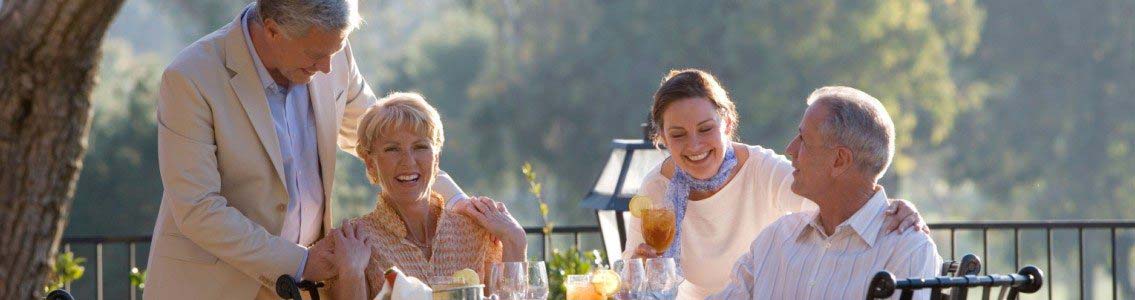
[[638, 205], [605, 282], [469, 276]]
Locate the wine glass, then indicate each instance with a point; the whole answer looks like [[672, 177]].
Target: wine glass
[[537, 281], [509, 280], [658, 225], [662, 278], [633, 274]]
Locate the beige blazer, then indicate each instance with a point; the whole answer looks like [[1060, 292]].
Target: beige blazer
[[216, 235]]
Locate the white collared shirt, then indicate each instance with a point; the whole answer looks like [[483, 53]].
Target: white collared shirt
[[794, 259], [294, 121]]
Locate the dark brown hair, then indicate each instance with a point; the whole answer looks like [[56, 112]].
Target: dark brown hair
[[691, 83]]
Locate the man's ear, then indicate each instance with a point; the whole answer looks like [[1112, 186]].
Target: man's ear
[[843, 161], [273, 30]]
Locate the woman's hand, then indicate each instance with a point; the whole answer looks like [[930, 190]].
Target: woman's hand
[[351, 256], [902, 216], [352, 250], [644, 251], [494, 217]]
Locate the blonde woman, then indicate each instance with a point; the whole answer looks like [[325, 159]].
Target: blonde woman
[[400, 140]]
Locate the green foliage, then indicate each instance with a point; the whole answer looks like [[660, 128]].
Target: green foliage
[[1055, 137], [120, 178], [67, 269], [534, 187], [1057, 134], [592, 66], [570, 262], [138, 278]]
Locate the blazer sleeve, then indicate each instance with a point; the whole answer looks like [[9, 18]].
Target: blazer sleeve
[[189, 170], [359, 98]]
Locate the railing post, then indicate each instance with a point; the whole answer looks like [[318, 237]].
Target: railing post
[[953, 245], [576, 234], [547, 240], [133, 264], [1051, 274], [1114, 273], [66, 248], [98, 271], [1016, 249], [985, 247], [1080, 259]]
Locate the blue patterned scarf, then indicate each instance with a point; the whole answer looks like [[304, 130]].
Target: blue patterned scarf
[[678, 193]]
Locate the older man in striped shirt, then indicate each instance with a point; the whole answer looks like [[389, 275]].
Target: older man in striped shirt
[[845, 144]]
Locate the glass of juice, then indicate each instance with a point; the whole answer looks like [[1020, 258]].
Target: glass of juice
[[658, 225], [579, 287]]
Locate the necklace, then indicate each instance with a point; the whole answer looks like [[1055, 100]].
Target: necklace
[[423, 242], [420, 241]]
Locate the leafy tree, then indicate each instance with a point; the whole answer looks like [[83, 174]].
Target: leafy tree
[[1056, 136], [583, 73], [121, 179], [49, 54]]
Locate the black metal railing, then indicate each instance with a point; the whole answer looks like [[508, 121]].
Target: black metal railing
[[99, 242], [133, 243], [1048, 227], [576, 233]]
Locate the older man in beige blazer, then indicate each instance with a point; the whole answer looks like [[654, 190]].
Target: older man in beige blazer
[[248, 122]]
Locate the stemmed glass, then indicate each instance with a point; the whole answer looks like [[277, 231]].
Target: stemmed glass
[[509, 280], [662, 278], [537, 281], [633, 275]]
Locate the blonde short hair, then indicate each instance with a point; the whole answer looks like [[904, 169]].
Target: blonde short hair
[[396, 111]]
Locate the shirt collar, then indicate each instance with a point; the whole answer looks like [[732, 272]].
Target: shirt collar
[[866, 222], [385, 217], [265, 78]]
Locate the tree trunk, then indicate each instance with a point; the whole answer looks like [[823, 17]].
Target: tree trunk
[[48, 53]]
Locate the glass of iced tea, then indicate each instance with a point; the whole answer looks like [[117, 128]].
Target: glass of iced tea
[[658, 226]]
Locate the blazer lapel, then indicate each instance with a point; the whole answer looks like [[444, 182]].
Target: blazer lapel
[[246, 83], [323, 102]]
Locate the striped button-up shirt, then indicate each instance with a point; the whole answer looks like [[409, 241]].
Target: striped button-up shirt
[[794, 259]]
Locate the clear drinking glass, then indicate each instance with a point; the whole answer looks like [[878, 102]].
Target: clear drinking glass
[[633, 275], [662, 278], [537, 281], [659, 225], [509, 280], [438, 283]]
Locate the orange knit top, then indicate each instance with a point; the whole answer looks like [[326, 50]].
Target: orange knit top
[[458, 243]]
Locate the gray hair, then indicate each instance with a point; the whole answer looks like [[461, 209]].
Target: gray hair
[[860, 122], [297, 16]]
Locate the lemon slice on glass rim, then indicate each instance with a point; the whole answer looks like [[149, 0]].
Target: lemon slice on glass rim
[[638, 205], [605, 282], [469, 276]]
